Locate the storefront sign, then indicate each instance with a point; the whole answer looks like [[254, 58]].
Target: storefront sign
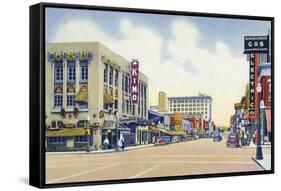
[[257, 44], [239, 106], [166, 120], [253, 84], [135, 81]]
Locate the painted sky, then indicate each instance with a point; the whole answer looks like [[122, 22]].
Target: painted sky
[[181, 55]]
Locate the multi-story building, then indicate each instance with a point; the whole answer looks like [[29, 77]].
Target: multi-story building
[[162, 102], [192, 106], [87, 93]]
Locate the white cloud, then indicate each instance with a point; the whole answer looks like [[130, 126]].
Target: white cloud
[[189, 68]]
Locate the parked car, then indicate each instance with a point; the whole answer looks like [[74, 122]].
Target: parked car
[[232, 140], [163, 140], [217, 137]]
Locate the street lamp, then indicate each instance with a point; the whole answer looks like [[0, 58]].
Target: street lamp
[[259, 155], [89, 133], [116, 126]]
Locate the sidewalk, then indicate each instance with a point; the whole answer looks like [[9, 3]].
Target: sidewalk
[[265, 163], [99, 151], [252, 145]]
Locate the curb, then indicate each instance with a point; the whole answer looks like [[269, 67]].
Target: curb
[[260, 164], [99, 151]]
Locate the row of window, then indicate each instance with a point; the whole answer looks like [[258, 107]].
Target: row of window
[[126, 84], [189, 101], [188, 105], [71, 72], [77, 139], [195, 113], [129, 108], [188, 109], [108, 72], [58, 101], [178, 109]]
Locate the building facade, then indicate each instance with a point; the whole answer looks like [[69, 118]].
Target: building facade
[[162, 102], [87, 93], [192, 106]]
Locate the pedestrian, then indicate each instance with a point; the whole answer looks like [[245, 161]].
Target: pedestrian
[[255, 137], [242, 138], [123, 144], [248, 138], [105, 143], [119, 144]]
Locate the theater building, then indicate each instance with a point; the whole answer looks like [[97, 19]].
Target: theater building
[[87, 94]]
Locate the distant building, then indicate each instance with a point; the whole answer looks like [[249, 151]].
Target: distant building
[[192, 106], [162, 102]]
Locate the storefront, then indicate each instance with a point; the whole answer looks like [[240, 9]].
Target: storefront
[[66, 139]]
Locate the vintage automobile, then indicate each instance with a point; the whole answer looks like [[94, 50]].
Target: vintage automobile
[[217, 137], [162, 140]]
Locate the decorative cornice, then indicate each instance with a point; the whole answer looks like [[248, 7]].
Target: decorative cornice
[[69, 56]]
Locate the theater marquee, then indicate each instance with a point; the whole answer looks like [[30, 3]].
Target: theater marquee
[[135, 80]]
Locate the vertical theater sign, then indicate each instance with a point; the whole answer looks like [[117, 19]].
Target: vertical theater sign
[[135, 80], [253, 47]]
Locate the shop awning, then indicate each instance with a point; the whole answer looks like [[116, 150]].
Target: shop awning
[[123, 127], [268, 119], [180, 132], [153, 129], [67, 132], [107, 99], [82, 96], [143, 122]]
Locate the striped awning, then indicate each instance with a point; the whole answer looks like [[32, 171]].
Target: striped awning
[[68, 132], [153, 129]]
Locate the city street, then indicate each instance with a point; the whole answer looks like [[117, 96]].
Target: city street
[[186, 158]]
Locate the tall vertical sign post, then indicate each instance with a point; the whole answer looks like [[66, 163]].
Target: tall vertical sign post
[[254, 46]]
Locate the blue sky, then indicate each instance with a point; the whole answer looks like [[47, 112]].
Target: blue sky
[[231, 31], [181, 55]]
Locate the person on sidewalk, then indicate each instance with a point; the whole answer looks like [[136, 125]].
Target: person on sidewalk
[[119, 145], [105, 143], [123, 144]]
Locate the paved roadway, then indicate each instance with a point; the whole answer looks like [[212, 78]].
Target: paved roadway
[[193, 157]]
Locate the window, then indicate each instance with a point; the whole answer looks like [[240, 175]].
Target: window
[[116, 78], [116, 104], [105, 73], [81, 139], [58, 100], [83, 72], [83, 105], [56, 139], [144, 91], [126, 85], [110, 75], [58, 73], [70, 100], [71, 72]]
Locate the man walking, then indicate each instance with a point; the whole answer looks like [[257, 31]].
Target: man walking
[[106, 143]]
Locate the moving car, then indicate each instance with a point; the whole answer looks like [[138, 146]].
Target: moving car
[[217, 137]]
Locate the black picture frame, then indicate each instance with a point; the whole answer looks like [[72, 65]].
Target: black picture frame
[[37, 91]]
